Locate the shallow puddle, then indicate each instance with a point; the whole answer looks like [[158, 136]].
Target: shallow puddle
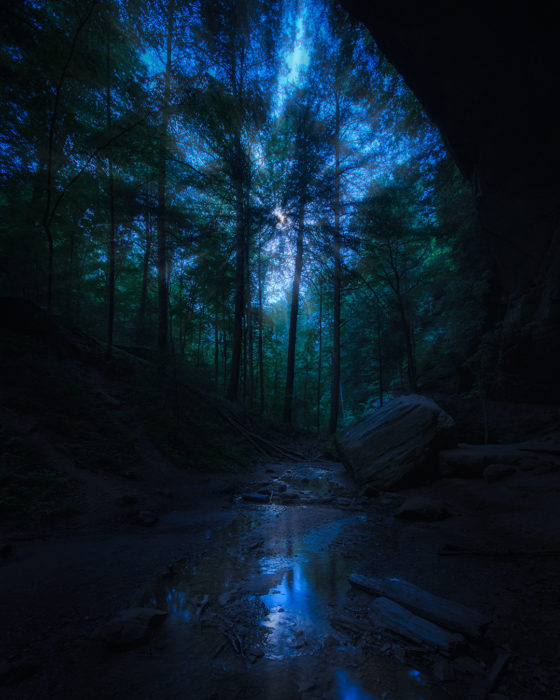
[[314, 581], [253, 610]]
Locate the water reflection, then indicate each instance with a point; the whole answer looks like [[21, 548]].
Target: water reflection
[[348, 689], [177, 604], [313, 579], [416, 676]]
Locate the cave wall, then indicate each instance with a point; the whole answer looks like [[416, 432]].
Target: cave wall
[[488, 77]]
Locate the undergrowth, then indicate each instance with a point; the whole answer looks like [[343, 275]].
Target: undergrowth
[[31, 489]]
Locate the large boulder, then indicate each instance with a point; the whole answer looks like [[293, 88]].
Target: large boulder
[[130, 628], [394, 446]]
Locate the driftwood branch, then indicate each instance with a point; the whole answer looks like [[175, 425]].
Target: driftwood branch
[[447, 613], [261, 442], [400, 620]]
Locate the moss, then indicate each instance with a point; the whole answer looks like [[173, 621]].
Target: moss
[[126, 500], [53, 392], [31, 490]]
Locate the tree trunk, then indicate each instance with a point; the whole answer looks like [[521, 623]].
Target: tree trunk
[[163, 291], [111, 237], [240, 243], [260, 350], [249, 339], [145, 273], [199, 340], [409, 342], [379, 358], [291, 365], [50, 211], [335, 388], [320, 354], [216, 343]]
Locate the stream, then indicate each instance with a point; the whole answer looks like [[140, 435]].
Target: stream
[[251, 615]]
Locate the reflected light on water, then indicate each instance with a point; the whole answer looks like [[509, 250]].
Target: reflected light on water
[[177, 604], [293, 611], [348, 689], [312, 578]]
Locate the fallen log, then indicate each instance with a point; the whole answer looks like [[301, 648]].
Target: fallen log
[[261, 442], [448, 614], [256, 497], [400, 620], [351, 624]]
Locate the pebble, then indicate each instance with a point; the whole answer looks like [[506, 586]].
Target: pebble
[[443, 670], [146, 517], [496, 472]]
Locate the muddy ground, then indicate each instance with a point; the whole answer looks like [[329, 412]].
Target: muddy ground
[[257, 595]]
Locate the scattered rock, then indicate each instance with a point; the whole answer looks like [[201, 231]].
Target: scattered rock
[[130, 628], [470, 461], [369, 491], [274, 488], [289, 497], [146, 517], [167, 493], [443, 670], [331, 641], [14, 672], [422, 508], [466, 664], [395, 445], [545, 467], [496, 472], [307, 686], [256, 497]]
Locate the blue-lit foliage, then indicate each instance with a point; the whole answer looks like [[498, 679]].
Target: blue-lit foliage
[[226, 128]]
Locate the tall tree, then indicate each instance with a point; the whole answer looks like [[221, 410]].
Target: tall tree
[[308, 135], [162, 259], [240, 57]]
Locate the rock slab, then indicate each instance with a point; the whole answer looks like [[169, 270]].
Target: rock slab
[[422, 509], [130, 628], [394, 446]]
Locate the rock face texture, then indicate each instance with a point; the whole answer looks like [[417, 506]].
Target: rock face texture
[[483, 73], [394, 446]]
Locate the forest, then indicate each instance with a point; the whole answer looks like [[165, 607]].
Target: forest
[[270, 323], [248, 187]]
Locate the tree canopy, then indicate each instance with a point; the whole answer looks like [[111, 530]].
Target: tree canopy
[[246, 184]]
